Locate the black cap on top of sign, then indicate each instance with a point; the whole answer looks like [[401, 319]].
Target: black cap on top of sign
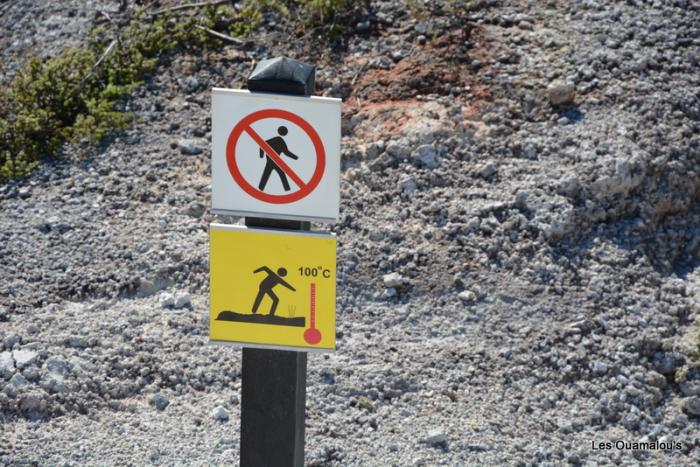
[[283, 75]]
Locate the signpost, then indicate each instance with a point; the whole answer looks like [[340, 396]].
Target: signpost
[[276, 161]]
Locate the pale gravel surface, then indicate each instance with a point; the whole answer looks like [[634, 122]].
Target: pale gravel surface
[[547, 258]]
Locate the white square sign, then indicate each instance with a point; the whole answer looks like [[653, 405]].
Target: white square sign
[[275, 155]]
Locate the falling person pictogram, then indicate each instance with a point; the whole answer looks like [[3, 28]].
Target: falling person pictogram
[[278, 144], [268, 283]]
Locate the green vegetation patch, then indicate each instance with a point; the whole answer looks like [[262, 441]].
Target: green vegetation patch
[[77, 95]]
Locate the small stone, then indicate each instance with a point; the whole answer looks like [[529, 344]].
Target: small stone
[[56, 365], [397, 55], [182, 299], [561, 93], [166, 300], [435, 436], [690, 388], [31, 373], [467, 296], [18, 380], [190, 147], [382, 63], [195, 209], [25, 192], [691, 406], [160, 401], [32, 402], [362, 26], [4, 314], [24, 357], [219, 413], [53, 382], [376, 235], [487, 170], [385, 18], [55, 224], [11, 341], [656, 379], [478, 447], [665, 362], [59, 226], [354, 121], [421, 28], [7, 365], [397, 149], [427, 155], [392, 280], [599, 368], [191, 84], [373, 150], [408, 184]]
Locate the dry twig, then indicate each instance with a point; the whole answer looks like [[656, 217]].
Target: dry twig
[[104, 55], [189, 5], [359, 72], [221, 36], [107, 51]]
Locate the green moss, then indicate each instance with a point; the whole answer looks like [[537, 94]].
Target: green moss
[[252, 13], [328, 17], [322, 11], [365, 403], [680, 375]]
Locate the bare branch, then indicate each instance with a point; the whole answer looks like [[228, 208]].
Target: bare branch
[[107, 51], [104, 55], [359, 72], [221, 36], [189, 5]]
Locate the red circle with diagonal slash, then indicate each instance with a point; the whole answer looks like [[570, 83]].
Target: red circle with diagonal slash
[[245, 126]]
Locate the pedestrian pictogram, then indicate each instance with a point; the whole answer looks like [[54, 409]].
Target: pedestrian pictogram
[[279, 147], [272, 288], [275, 156]]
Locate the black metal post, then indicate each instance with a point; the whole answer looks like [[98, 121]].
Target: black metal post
[[273, 387]]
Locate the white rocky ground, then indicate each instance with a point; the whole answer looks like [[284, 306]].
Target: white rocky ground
[[517, 280]]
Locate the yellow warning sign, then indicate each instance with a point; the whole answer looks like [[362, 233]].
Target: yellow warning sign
[[272, 289]]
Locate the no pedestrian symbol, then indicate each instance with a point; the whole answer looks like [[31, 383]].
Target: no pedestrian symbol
[[275, 156], [273, 149]]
